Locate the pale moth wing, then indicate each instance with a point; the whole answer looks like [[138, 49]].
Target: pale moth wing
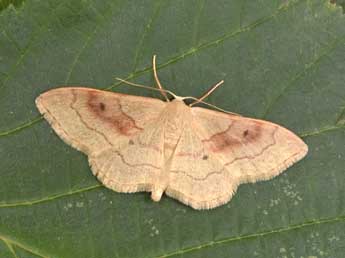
[[217, 152], [104, 125], [91, 120]]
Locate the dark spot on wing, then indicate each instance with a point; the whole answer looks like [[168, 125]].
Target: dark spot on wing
[[112, 113], [234, 136]]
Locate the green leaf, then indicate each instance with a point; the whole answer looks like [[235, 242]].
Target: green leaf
[[281, 60]]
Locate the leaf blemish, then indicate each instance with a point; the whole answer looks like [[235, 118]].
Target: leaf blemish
[[154, 232], [80, 204]]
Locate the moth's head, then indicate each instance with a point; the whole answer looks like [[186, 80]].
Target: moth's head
[[186, 100], [176, 98], [194, 100]]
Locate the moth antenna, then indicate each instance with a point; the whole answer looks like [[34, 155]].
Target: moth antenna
[[147, 87], [207, 93], [157, 80], [210, 105]]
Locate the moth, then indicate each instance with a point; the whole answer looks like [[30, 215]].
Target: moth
[[195, 155]]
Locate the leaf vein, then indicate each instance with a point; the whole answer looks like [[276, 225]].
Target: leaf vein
[[11, 242], [86, 43], [147, 29], [26, 50], [288, 228], [321, 131], [308, 67], [21, 127], [10, 247], [50, 198]]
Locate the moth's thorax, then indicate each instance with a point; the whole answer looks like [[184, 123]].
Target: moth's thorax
[[176, 115], [178, 106]]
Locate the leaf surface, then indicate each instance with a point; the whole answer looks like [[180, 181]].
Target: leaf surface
[[281, 60]]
